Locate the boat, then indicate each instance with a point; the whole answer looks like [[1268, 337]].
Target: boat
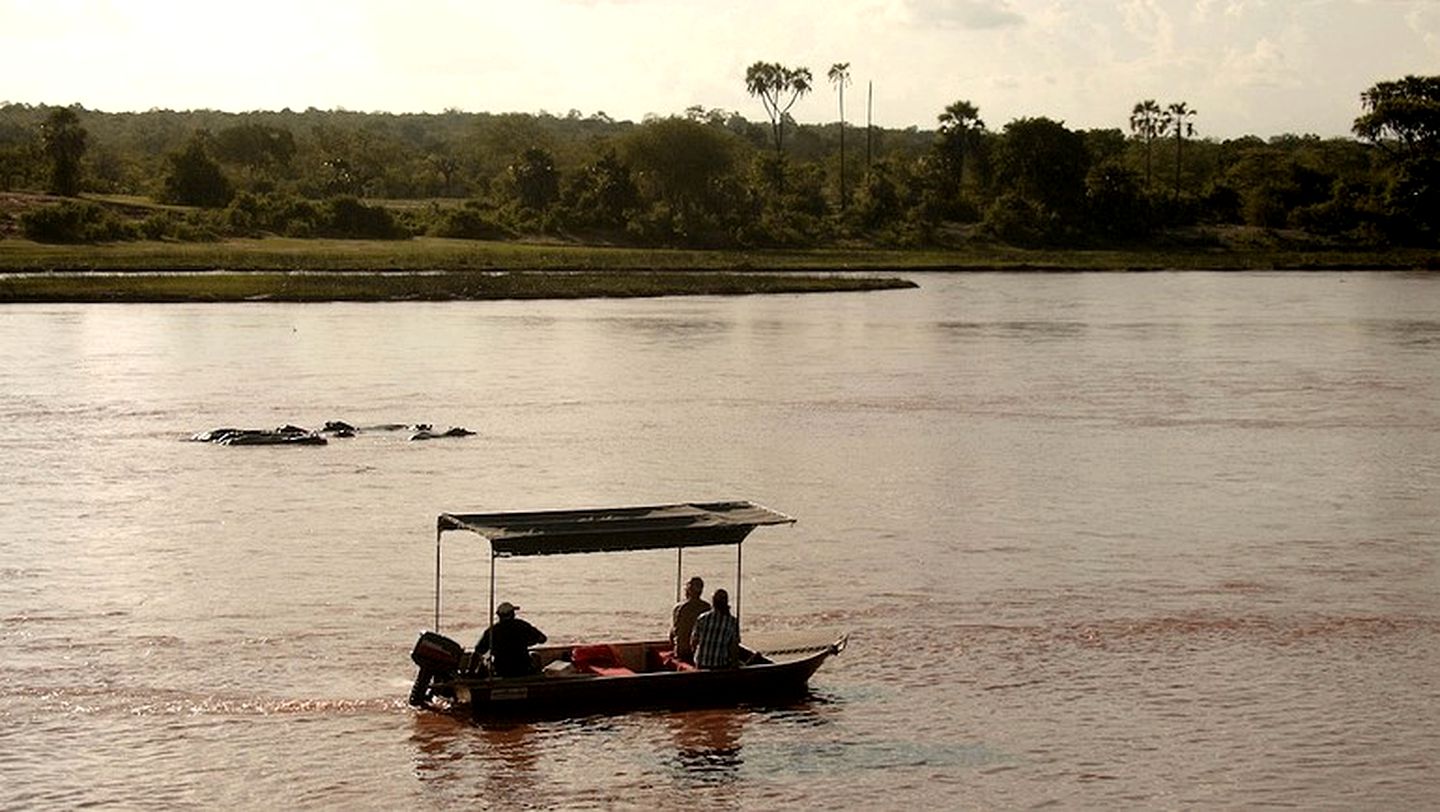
[[607, 676]]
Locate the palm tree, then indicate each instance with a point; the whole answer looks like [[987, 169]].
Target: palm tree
[[959, 125], [778, 88], [1179, 124], [840, 77], [1147, 122]]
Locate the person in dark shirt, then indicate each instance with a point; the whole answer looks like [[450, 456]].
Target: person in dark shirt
[[509, 642], [716, 638], [682, 619]]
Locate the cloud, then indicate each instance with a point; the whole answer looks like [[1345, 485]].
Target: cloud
[[967, 14], [1261, 66], [1264, 65], [1225, 8], [1424, 20], [1148, 23]]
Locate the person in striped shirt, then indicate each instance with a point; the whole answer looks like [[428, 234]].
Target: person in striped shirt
[[716, 637]]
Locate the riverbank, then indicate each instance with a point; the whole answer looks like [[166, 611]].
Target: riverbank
[[428, 268], [1224, 252], [367, 286]]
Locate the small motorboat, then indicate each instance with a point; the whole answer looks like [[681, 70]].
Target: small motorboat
[[604, 676]]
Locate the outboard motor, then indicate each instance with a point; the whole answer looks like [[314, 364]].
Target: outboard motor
[[437, 656]]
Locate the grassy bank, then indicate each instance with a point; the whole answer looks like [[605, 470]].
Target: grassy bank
[[432, 253], [437, 269], [402, 286]]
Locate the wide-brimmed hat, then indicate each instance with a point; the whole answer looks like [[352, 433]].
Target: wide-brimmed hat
[[506, 608]]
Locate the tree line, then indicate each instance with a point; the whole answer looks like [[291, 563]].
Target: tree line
[[710, 177]]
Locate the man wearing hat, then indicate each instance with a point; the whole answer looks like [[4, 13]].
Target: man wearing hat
[[509, 641]]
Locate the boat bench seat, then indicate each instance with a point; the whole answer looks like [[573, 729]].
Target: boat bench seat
[[599, 659], [615, 671]]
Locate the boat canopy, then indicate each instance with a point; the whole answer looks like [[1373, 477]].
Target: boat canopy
[[598, 530]]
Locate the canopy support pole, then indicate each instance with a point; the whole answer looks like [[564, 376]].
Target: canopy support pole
[[738, 548], [492, 599], [679, 565], [437, 580]]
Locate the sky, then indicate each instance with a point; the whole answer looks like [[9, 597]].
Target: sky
[[1248, 67]]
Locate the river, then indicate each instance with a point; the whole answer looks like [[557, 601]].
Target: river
[[1099, 540]]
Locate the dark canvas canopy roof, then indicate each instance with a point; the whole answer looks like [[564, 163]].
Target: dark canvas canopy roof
[[652, 527]]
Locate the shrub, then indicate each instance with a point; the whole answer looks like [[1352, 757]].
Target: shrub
[[158, 226], [348, 218], [194, 179], [657, 225], [202, 226], [1019, 221], [469, 222], [75, 222], [877, 202], [296, 217], [786, 228], [1116, 205]]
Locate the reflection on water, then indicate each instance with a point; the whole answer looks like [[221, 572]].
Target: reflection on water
[[707, 745], [1100, 541], [496, 764], [508, 757], [1412, 333]]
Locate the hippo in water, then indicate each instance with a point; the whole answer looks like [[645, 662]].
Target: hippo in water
[[338, 428], [273, 438], [215, 435], [427, 434], [284, 435], [290, 434]]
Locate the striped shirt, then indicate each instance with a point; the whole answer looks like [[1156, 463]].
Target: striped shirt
[[716, 640]]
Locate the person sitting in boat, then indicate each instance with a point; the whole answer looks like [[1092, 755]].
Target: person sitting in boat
[[509, 642], [716, 637], [682, 619]]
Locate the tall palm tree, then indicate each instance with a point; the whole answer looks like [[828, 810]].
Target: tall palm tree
[[1147, 122], [959, 125], [778, 88], [840, 77], [1180, 124], [869, 121]]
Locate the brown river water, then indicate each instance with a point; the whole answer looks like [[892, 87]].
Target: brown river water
[[1100, 540]]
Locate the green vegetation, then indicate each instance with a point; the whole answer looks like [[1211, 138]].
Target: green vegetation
[[206, 189], [1238, 248], [194, 179], [1403, 119], [839, 76], [63, 142], [778, 88]]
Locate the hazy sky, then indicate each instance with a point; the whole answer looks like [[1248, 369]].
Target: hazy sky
[[1260, 67]]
